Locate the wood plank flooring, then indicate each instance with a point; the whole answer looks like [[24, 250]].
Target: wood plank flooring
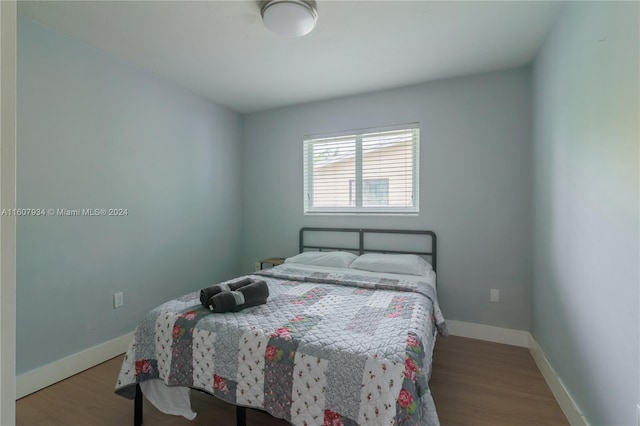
[[473, 383], [482, 383]]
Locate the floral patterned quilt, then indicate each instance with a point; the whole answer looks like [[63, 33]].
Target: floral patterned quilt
[[326, 349]]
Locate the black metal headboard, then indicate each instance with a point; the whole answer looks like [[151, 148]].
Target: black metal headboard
[[430, 249]]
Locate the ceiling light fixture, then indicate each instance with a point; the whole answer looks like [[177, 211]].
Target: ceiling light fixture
[[289, 18]]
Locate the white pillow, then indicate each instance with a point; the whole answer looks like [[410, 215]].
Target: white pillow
[[336, 259], [409, 264]]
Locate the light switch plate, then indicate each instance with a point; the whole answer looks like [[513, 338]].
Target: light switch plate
[[118, 300]]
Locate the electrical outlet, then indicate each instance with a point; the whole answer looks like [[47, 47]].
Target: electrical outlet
[[494, 295], [118, 300], [256, 266]]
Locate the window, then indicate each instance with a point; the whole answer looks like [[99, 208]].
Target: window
[[375, 192], [367, 171]]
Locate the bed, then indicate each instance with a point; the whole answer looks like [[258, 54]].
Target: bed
[[344, 340]]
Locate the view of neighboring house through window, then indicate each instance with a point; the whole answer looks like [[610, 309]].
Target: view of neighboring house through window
[[375, 192], [366, 171]]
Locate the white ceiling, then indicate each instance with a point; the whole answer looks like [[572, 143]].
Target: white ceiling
[[221, 49]]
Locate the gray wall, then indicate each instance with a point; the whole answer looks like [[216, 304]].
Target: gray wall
[[94, 132], [585, 227], [474, 183]]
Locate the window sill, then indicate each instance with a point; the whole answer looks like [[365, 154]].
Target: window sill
[[413, 214]]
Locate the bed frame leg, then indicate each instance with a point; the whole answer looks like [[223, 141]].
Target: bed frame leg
[[137, 409], [241, 416]]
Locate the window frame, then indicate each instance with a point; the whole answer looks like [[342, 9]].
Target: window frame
[[358, 136]]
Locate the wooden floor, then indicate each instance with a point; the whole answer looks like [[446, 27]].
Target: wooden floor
[[473, 383], [482, 383]]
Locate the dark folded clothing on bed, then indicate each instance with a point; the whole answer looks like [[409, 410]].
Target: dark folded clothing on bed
[[253, 294], [209, 292]]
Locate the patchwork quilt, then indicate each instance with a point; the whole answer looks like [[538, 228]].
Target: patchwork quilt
[[326, 349]]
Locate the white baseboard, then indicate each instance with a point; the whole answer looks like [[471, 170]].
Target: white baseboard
[[489, 333], [44, 376], [566, 402]]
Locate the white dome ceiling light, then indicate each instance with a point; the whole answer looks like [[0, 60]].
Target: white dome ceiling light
[[289, 18]]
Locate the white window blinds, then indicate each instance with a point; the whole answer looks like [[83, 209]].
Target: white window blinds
[[366, 171]]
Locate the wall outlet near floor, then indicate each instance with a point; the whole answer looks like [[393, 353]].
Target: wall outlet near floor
[[256, 266], [494, 295], [118, 300]]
